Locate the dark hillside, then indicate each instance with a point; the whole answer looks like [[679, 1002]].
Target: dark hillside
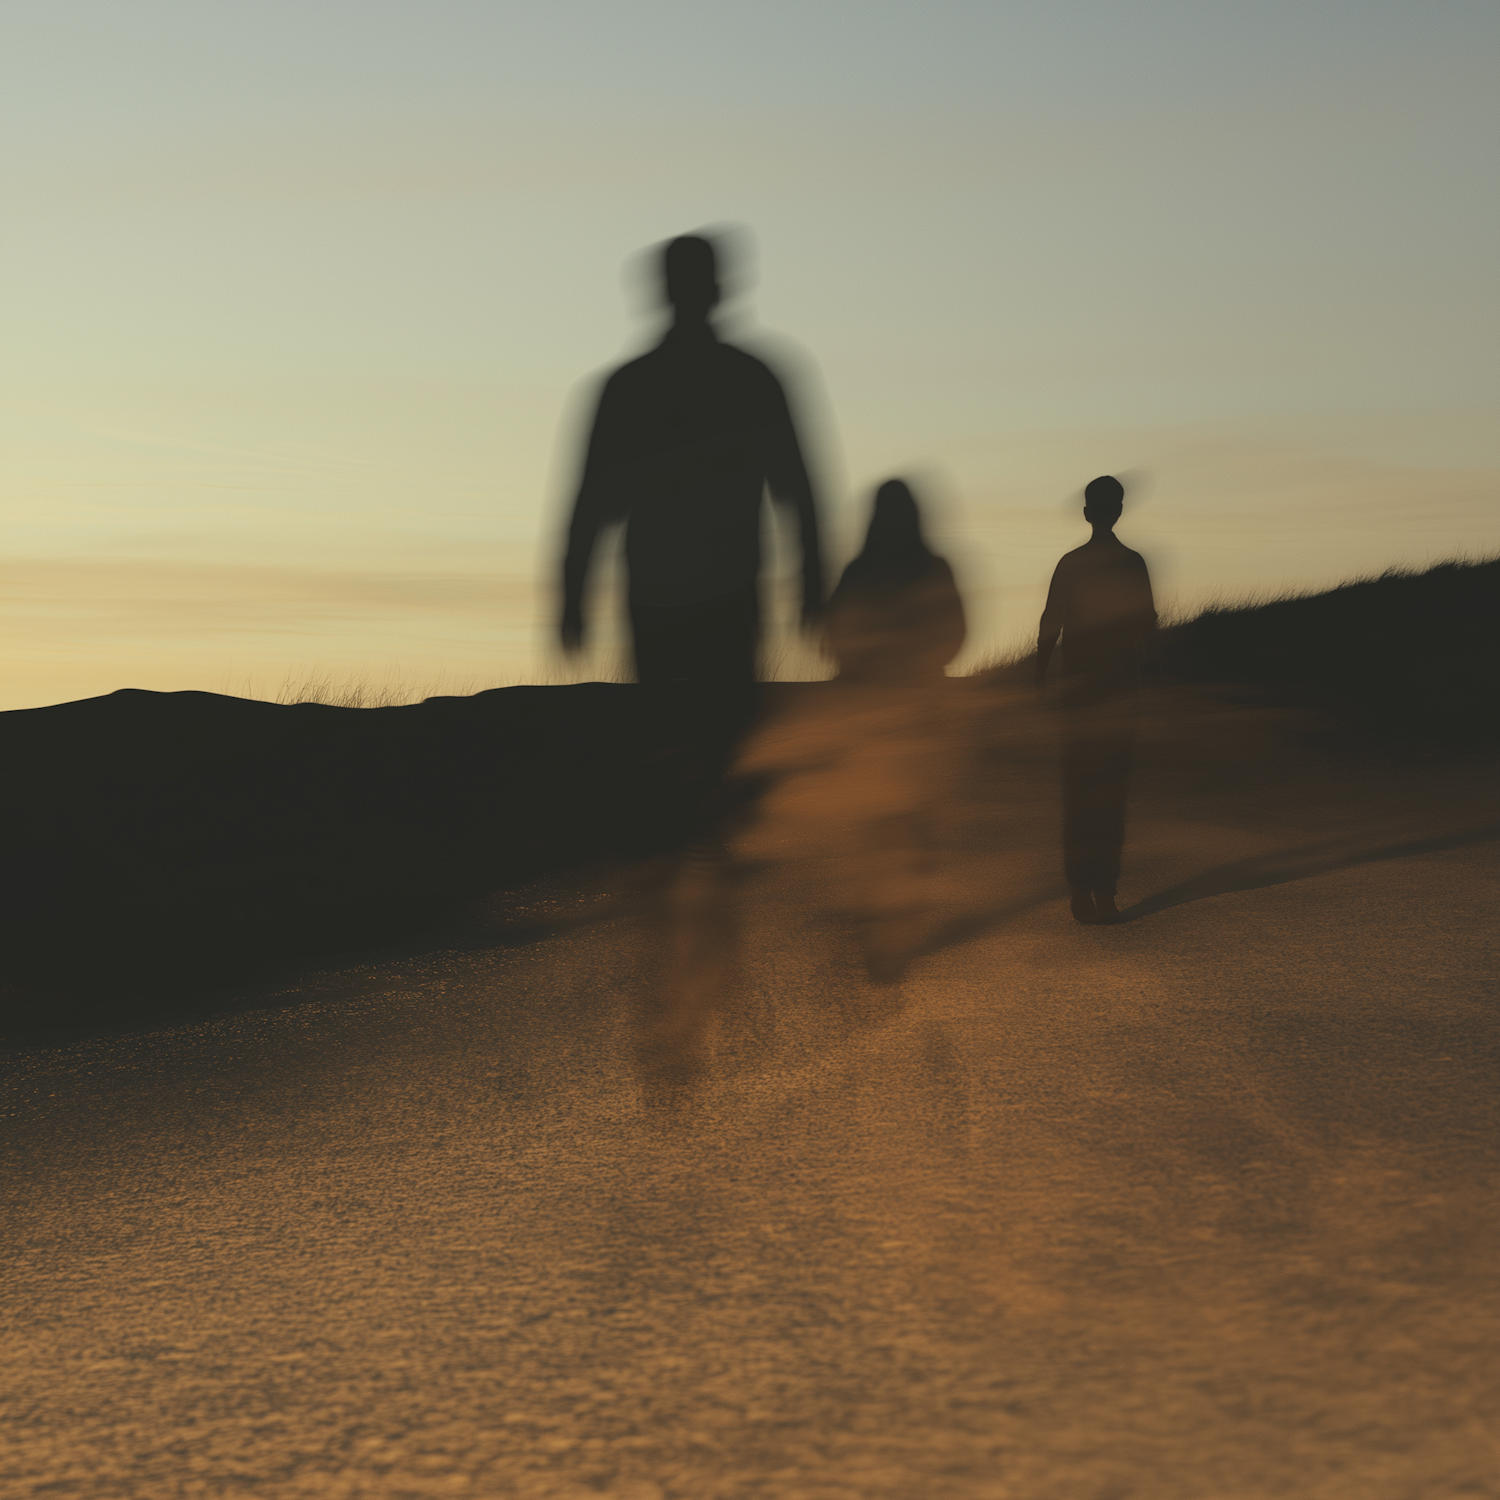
[[1406, 655], [161, 847], [1403, 654]]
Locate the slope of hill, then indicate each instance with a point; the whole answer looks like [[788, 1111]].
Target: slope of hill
[[1407, 654]]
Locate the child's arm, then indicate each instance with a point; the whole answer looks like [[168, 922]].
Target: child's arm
[[1051, 626]]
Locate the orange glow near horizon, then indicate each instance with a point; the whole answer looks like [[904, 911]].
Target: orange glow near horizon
[[301, 332]]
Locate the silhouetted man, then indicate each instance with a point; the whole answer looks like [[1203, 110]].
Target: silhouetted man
[[686, 442], [1100, 603]]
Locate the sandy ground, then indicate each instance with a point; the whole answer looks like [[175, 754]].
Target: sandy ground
[[1199, 1207]]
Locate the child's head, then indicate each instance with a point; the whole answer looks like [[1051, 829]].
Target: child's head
[[1103, 500]]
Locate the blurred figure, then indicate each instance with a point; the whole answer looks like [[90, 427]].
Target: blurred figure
[[893, 623], [1100, 604], [895, 617], [686, 442]]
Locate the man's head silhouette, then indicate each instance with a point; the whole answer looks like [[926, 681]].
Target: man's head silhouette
[[1103, 500], [691, 278]]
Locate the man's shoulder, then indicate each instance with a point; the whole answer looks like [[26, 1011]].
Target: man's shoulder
[[727, 359], [743, 371], [631, 371], [743, 359], [637, 381]]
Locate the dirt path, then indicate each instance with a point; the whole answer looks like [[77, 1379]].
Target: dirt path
[[1200, 1207]]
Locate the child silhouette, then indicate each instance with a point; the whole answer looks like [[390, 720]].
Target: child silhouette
[[1100, 605]]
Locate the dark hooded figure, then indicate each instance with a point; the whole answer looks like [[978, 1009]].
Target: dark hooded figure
[[895, 618]]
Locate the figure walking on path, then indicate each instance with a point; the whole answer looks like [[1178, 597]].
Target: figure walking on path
[[1100, 604], [893, 624], [686, 442]]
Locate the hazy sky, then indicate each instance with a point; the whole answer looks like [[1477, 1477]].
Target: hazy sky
[[303, 303]]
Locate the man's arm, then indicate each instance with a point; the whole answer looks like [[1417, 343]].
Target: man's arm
[[1051, 626], [787, 478], [600, 500], [1148, 651]]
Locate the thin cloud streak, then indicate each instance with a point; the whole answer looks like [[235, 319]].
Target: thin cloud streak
[[144, 597]]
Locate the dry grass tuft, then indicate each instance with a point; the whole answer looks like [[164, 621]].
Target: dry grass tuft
[[361, 692]]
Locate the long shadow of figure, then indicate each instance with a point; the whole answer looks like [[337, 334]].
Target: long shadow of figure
[[1301, 863], [1280, 867], [1100, 605], [687, 442]]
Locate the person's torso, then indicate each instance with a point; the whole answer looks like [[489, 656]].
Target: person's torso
[[693, 434], [1106, 606], [898, 632]]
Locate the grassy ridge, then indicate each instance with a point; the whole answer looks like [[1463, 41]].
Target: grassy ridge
[[1405, 653]]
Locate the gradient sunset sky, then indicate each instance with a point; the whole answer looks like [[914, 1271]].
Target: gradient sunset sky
[[304, 303]]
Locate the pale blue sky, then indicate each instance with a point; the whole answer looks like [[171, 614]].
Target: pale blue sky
[[301, 300]]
